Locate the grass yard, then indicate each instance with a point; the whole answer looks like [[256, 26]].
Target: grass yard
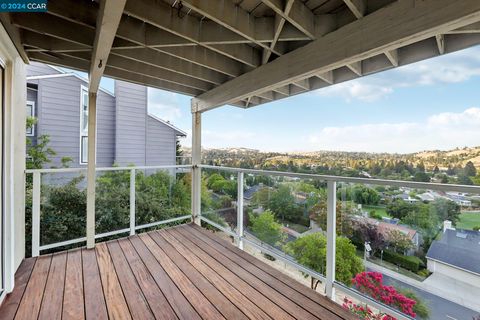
[[468, 220], [378, 209]]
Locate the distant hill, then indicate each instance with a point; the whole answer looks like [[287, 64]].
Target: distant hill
[[246, 157]]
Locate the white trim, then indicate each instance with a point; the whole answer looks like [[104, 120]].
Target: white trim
[[168, 124], [65, 74], [82, 133], [48, 76], [32, 103]]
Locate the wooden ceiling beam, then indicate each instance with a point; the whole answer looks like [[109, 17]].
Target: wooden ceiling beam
[[108, 19], [165, 17], [300, 16], [83, 65], [402, 23], [358, 7]]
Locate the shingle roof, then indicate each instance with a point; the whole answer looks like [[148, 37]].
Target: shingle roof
[[459, 248]]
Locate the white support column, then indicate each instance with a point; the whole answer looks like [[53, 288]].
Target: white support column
[[196, 171], [240, 210], [91, 174], [36, 214], [331, 237], [132, 201]]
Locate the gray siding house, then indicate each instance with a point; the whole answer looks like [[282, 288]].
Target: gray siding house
[[126, 133]]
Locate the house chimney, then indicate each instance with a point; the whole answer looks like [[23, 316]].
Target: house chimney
[[447, 225]]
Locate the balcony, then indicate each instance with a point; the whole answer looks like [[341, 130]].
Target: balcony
[[178, 269], [243, 54], [182, 272]]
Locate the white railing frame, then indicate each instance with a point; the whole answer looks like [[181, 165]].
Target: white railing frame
[[329, 279], [239, 235], [36, 205], [240, 210]]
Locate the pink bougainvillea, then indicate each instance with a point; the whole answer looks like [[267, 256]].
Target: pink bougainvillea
[[371, 283], [364, 312]]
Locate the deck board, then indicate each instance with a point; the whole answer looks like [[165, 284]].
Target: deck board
[[184, 272]]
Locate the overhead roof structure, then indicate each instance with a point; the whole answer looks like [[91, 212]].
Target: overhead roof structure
[[243, 52]]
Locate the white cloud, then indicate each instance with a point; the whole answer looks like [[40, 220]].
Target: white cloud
[[441, 131], [451, 68], [357, 90], [164, 104]]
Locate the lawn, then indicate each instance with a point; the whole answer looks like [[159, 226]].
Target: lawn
[[468, 220], [378, 209]]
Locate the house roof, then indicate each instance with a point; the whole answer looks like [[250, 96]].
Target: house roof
[[243, 53], [61, 73], [178, 132], [458, 248]]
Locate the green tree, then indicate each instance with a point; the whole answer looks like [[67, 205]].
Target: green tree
[[282, 204], [399, 241], [311, 251], [446, 210], [421, 176], [470, 170], [265, 228], [399, 208]]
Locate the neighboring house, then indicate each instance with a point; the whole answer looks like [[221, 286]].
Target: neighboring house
[[405, 197], [126, 133], [386, 226], [456, 255]]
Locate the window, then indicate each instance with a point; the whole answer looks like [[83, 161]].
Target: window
[[84, 125], [30, 111]]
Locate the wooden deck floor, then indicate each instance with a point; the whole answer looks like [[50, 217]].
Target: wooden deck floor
[[179, 273]]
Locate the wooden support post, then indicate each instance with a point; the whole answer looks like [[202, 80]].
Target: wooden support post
[[132, 201], [240, 210], [196, 171], [331, 238], [37, 184], [91, 174]]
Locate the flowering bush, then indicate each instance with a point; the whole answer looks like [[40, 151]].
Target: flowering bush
[[364, 312], [371, 283]]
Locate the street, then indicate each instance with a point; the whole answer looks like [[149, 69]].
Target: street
[[440, 309]]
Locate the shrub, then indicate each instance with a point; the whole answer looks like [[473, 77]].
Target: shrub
[[408, 262], [364, 312], [214, 217], [371, 284], [476, 228]]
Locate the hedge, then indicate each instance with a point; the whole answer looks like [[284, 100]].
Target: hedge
[[411, 263]]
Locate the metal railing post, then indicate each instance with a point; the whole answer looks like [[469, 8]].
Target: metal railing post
[[132, 201], [240, 210], [331, 238], [36, 214]]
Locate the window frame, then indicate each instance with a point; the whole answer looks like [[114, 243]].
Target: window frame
[[32, 104], [83, 133]]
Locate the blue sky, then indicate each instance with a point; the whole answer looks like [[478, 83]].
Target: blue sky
[[434, 104]]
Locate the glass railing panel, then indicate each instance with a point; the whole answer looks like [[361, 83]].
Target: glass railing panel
[[397, 234], [161, 195], [62, 209]]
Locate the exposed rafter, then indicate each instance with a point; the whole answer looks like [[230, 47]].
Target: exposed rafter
[[440, 38], [358, 7], [392, 56], [402, 23], [83, 65], [229, 16], [279, 24], [107, 23], [165, 17], [299, 15], [356, 67], [326, 76]]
